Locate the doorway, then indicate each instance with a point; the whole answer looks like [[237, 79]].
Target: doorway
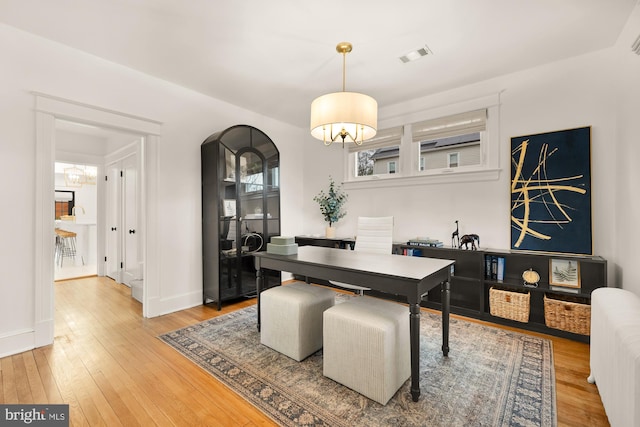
[[76, 204], [48, 110]]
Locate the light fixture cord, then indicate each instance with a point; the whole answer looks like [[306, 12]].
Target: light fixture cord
[[344, 69]]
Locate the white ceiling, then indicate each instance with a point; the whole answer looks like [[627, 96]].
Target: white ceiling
[[274, 57]]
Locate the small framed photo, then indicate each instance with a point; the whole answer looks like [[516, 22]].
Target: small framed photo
[[229, 207], [564, 272]]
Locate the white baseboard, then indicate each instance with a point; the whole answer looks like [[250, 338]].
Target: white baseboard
[[17, 342], [44, 333], [161, 306]]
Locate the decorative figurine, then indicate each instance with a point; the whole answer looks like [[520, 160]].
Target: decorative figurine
[[531, 278], [455, 235], [469, 238]]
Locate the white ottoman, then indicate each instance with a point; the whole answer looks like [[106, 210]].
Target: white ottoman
[[366, 346], [291, 318]]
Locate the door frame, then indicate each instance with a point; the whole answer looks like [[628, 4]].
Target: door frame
[[47, 109], [115, 162]]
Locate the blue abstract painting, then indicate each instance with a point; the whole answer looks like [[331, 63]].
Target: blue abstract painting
[[551, 192]]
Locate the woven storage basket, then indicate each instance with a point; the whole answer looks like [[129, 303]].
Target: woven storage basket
[[567, 313], [509, 304]]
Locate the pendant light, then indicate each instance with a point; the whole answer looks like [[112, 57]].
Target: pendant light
[[348, 116]]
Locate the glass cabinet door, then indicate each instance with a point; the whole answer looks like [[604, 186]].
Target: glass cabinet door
[[241, 209], [251, 189]]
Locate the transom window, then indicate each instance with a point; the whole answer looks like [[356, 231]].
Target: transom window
[[460, 143], [452, 141], [379, 155], [451, 152]]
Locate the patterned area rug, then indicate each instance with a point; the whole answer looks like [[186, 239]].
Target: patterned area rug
[[492, 377]]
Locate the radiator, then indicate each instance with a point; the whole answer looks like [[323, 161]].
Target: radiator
[[615, 354]]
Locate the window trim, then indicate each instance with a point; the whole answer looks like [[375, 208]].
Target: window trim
[[408, 171]]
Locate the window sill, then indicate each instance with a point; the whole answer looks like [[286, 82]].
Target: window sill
[[444, 177]]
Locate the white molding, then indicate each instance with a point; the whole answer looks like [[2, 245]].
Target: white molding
[[441, 178], [150, 254], [44, 331], [162, 306], [17, 342], [43, 229], [48, 109], [79, 112]]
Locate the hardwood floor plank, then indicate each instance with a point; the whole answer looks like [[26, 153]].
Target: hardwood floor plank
[[22, 387], [60, 370], [52, 393], [109, 366], [9, 392], [33, 377]]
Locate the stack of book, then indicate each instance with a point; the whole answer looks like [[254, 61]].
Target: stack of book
[[425, 242], [494, 267], [282, 245]]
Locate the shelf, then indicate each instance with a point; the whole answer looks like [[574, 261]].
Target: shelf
[[470, 286], [542, 287], [259, 219]]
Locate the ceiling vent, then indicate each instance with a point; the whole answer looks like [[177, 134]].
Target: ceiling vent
[[636, 46], [416, 54]]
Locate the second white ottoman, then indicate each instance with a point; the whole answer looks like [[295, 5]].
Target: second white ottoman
[[366, 346], [291, 318]]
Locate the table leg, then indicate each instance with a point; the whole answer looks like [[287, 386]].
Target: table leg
[[259, 285], [414, 338], [446, 297]]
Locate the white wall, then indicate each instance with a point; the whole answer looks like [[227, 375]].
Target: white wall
[[599, 90], [572, 93], [34, 64], [627, 142]]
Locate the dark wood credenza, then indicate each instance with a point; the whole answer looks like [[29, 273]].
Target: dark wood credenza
[[470, 286], [471, 283], [325, 242]]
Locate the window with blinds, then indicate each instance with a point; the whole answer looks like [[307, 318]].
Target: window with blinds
[[450, 142], [459, 145], [378, 155], [445, 127]]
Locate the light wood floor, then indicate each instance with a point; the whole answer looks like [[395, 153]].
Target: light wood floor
[[108, 365]]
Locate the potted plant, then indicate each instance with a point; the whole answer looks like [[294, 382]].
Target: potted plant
[[331, 206]]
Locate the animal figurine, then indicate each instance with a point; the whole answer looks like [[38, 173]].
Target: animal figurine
[[469, 238], [455, 236]]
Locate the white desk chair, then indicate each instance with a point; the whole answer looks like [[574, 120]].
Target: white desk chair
[[374, 235]]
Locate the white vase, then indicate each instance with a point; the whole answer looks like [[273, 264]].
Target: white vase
[[330, 232]]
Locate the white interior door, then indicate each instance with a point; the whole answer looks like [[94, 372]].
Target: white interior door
[[113, 221], [130, 232]]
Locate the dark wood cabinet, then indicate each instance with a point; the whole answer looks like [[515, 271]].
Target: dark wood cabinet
[[472, 280], [466, 278], [240, 209], [346, 243]]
